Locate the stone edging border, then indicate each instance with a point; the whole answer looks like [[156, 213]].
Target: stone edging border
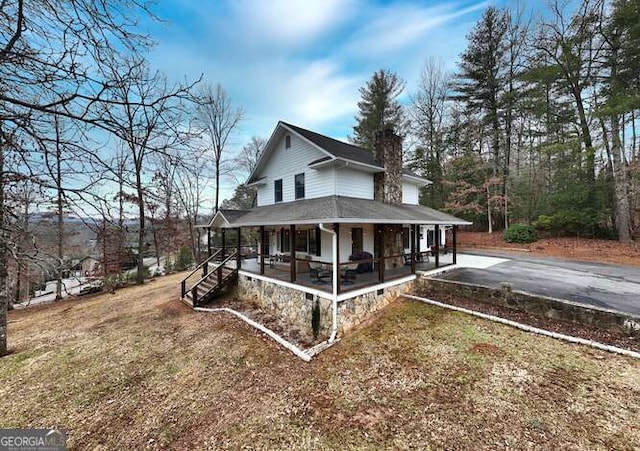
[[527, 328], [305, 355]]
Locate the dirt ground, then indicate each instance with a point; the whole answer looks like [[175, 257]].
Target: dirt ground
[[139, 370], [581, 249]]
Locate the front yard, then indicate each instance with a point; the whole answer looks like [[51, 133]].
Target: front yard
[[138, 369]]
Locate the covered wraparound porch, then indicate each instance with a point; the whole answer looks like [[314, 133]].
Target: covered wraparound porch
[[336, 245]]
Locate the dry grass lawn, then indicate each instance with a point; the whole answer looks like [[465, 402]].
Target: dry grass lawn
[[137, 369]]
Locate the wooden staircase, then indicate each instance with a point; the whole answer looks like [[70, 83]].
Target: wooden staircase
[[215, 278]]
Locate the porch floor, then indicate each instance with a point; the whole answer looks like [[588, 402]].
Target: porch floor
[[281, 271]]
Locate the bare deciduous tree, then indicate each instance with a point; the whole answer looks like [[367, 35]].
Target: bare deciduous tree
[[49, 53], [192, 179], [248, 157], [218, 119], [144, 112], [428, 112]]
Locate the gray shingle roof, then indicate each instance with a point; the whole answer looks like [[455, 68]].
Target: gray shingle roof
[[343, 210], [225, 215], [340, 149], [337, 148]]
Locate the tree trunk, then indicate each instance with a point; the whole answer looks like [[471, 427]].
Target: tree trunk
[[120, 248], [489, 210], [17, 296], [217, 184], [620, 179], [192, 237], [3, 258], [621, 184], [590, 153], [104, 247], [60, 220], [155, 240], [633, 136], [141, 232]]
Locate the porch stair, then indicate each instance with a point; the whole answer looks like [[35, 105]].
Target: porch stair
[[209, 279]]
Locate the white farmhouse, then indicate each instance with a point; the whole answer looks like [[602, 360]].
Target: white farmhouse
[[336, 225]]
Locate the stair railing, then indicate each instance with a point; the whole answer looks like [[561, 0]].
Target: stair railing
[[218, 272], [205, 270]]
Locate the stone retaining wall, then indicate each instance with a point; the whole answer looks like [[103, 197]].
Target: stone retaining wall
[[294, 307], [541, 305], [354, 311], [287, 303]]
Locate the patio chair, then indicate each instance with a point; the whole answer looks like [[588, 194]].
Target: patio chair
[[317, 272], [349, 276], [349, 273]]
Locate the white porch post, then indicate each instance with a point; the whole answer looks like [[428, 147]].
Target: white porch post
[[336, 281], [336, 259], [336, 274]]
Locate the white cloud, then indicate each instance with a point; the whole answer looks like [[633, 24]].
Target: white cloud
[[291, 23], [303, 60], [320, 93], [401, 25]]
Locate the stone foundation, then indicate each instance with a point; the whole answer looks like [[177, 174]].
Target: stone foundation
[[287, 303], [294, 307], [354, 311]]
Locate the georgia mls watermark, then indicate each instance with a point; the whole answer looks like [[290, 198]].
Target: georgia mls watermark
[[33, 440]]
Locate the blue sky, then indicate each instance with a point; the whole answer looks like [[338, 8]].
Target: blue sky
[[303, 61]]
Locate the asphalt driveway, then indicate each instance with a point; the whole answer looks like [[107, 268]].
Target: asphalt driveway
[[595, 284]]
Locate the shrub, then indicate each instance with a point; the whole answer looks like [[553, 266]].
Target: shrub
[[315, 319], [113, 281], [582, 223], [544, 223], [520, 233], [185, 258]]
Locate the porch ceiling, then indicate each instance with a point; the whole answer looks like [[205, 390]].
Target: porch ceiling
[[341, 209]]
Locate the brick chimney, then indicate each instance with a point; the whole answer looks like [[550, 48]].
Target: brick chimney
[[387, 186]]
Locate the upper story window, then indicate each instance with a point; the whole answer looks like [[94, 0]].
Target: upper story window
[[287, 141], [277, 190], [300, 186]]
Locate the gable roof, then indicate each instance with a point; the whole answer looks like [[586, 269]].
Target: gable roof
[[342, 209], [224, 217], [337, 149], [333, 149]]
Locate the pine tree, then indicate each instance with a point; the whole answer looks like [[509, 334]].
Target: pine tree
[[482, 73], [379, 108], [626, 14], [621, 38]]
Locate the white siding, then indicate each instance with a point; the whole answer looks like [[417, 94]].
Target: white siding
[[354, 183], [345, 242], [409, 193], [424, 232], [286, 163], [325, 247], [318, 183], [262, 196]]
